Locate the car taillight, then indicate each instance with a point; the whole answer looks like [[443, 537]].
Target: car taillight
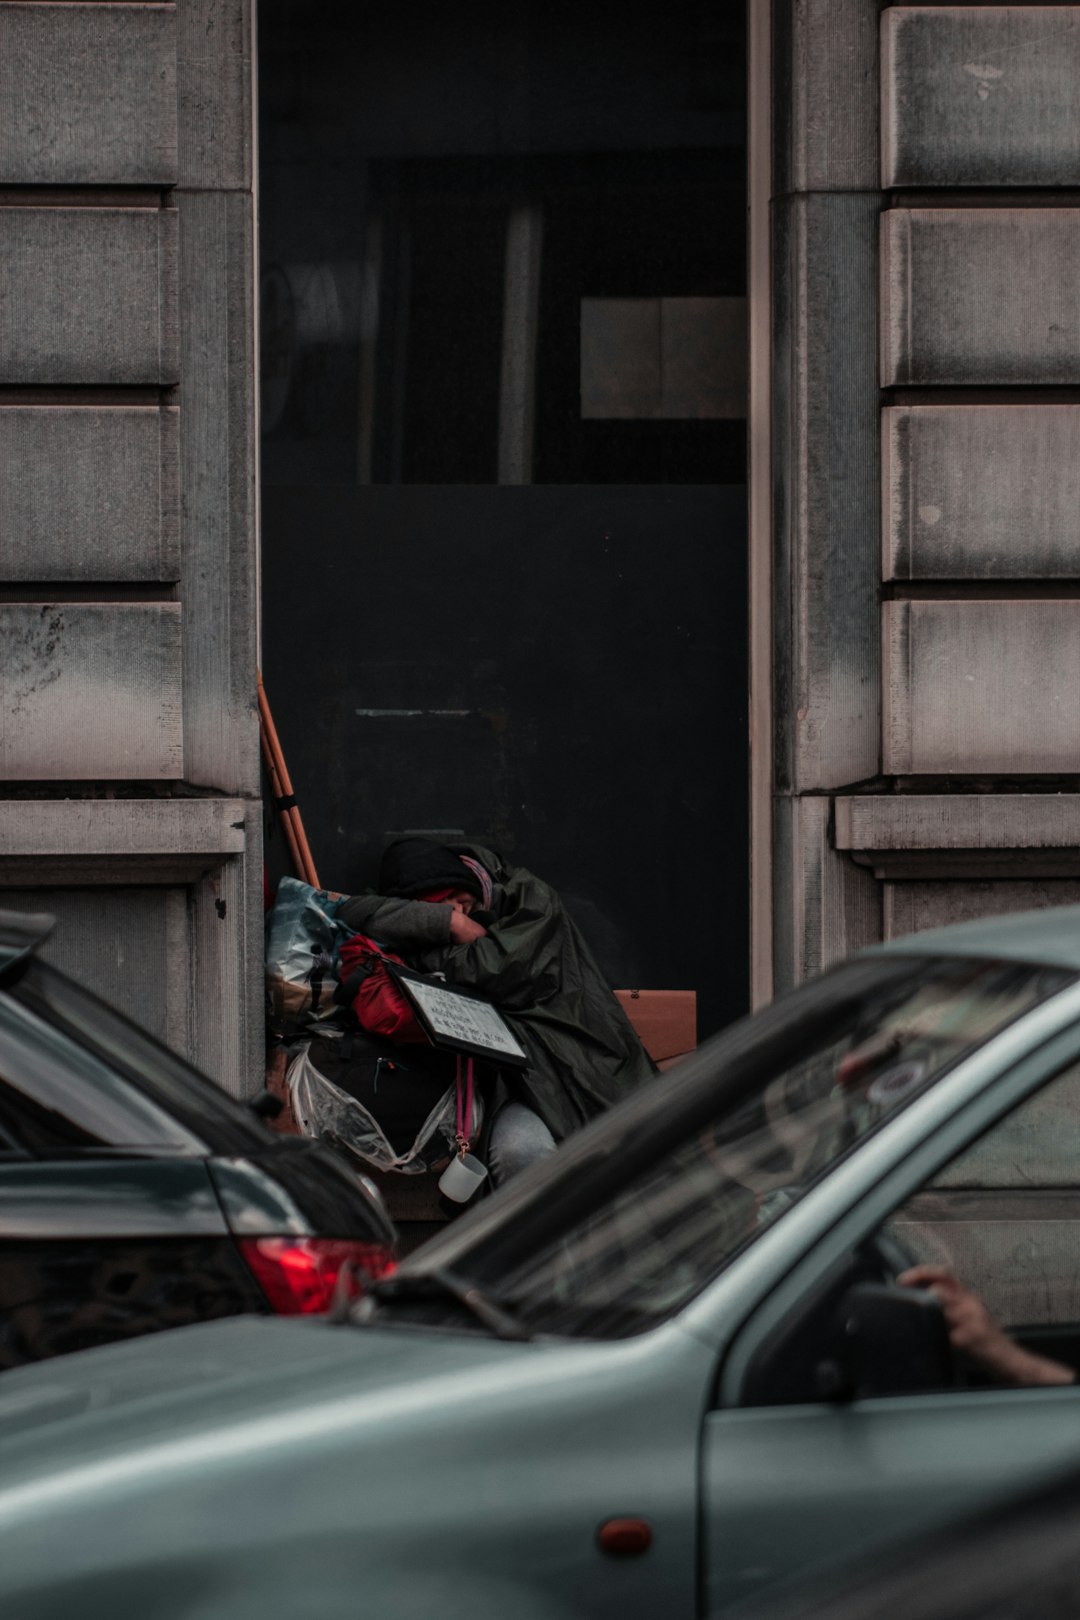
[[300, 1275]]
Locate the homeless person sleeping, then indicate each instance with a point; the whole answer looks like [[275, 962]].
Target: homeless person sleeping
[[500, 932]]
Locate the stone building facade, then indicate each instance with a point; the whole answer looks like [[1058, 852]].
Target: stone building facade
[[915, 422], [129, 749], [917, 619]]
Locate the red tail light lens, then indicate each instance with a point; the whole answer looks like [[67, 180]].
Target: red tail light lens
[[299, 1275]]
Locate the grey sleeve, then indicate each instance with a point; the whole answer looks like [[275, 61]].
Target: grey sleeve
[[397, 923]]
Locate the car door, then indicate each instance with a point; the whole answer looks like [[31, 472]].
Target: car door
[[791, 1480]]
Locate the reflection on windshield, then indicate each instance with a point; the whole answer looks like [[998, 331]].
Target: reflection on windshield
[[645, 1252]]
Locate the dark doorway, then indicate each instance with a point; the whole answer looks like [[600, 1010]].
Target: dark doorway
[[503, 265]]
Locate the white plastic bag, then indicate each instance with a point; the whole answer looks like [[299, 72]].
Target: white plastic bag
[[323, 1109]]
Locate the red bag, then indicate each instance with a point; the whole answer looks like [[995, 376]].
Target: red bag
[[380, 1005]]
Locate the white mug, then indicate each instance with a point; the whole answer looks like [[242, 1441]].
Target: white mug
[[462, 1177]]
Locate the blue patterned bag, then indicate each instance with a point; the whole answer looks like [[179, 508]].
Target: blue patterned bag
[[303, 936]]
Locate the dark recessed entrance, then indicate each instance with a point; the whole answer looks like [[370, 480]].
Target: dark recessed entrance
[[504, 448]]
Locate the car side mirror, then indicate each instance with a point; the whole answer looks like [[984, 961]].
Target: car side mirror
[[886, 1341]]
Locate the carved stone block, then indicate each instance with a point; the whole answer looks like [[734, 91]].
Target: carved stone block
[[87, 94], [980, 95], [88, 493], [982, 687], [980, 296], [90, 690], [981, 491]]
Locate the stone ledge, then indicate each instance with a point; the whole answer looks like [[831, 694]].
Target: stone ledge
[[96, 829], [958, 835]]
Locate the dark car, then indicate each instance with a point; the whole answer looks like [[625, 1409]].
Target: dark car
[[135, 1194]]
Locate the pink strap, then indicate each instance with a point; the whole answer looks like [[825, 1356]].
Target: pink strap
[[464, 1111]]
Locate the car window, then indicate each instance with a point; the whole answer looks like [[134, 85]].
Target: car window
[[57, 1098], [158, 1075], [1004, 1216], [646, 1249]]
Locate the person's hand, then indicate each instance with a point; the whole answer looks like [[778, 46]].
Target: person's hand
[[974, 1332], [462, 928], [971, 1327]]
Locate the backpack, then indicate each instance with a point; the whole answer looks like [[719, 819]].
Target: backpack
[[416, 1097], [398, 1086], [379, 1004]]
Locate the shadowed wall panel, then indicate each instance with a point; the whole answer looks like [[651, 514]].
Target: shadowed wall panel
[[815, 85], [827, 493], [215, 70], [836, 904], [87, 94], [87, 295], [982, 687], [90, 690], [827, 101], [980, 95], [217, 470], [130, 945], [981, 491], [980, 296], [910, 908], [88, 493]]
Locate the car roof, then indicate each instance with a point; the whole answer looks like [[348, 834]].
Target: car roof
[[20, 933], [1051, 936]]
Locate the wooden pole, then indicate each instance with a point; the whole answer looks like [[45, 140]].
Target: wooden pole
[[286, 819], [289, 810]]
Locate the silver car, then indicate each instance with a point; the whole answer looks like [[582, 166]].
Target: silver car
[[661, 1373]]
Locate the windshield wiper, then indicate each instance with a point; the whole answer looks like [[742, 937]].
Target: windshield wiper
[[439, 1281]]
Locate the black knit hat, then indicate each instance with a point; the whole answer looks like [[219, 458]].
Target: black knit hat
[[414, 865]]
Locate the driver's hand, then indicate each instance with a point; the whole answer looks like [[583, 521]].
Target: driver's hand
[[971, 1327], [976, 1333]]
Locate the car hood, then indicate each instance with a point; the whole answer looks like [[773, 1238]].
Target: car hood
[[211, 1470], [194, 1378]]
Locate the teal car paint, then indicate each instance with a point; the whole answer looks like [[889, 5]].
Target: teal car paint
[[365, 1451], [581, 1348]]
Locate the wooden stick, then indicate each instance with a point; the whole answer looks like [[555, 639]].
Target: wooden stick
[[286, 819], [290, 816], [283, 790]]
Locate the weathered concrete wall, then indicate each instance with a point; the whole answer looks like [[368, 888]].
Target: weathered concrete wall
[[937, 782], [909, 265], [826, 471], [129, 774]]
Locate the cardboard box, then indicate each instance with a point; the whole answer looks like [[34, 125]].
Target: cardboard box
[[666, 1020]]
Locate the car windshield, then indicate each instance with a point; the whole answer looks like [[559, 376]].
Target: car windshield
[[649, 1206]]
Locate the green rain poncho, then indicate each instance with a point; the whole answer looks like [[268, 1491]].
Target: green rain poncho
[[533, 964]]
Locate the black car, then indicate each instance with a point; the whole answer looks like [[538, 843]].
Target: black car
[[136, 1195]]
